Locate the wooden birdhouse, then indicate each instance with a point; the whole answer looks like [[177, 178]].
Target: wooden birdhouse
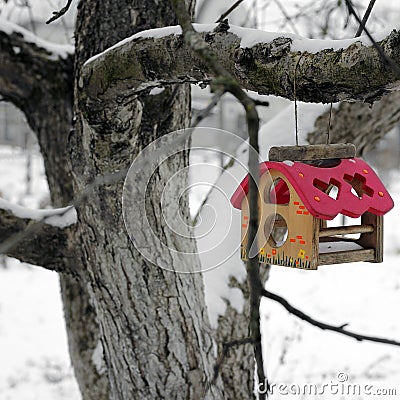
[[297, 198]]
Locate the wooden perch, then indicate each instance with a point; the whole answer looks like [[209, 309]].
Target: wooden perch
[[345, 230]]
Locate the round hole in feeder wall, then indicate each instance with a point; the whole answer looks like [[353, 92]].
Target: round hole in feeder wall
[[276, 230], [277, 193]]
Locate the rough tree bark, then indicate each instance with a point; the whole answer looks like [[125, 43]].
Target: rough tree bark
[[40, 83], [153, 322], [53, 131], [150, 324]]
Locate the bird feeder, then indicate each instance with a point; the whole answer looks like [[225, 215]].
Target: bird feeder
[[303, 187]]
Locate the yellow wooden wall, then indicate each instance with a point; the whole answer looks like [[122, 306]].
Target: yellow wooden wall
[[299, 249]]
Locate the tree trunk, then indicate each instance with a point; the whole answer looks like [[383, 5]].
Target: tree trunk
[[149, 325], [153, 323]]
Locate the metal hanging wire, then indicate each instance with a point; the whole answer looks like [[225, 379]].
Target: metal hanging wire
[[359, 31], [295, 101], [329, 124]]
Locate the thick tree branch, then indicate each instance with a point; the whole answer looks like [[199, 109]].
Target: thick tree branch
[[32, 69], [36, 76], [339, 329], [38, 220], [353, 71], [358, 123], [386, 59], [46, 247]]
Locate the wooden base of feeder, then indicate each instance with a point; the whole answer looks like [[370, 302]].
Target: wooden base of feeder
[[348, 256], [312, 152], [329, 243]]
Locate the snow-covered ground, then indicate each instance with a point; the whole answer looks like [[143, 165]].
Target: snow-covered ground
[[34, 361], [363, 295]]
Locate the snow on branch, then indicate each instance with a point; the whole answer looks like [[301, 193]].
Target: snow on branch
[[52, 50], [59, 217], [328, 70], [38, 237], [44, 237], [34, 72]]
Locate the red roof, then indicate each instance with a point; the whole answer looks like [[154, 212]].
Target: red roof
[[310, 183]]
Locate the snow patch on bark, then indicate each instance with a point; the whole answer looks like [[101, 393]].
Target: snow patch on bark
[[59, 217], [251, 37], [156, 90], [156, 33], [98, 358]]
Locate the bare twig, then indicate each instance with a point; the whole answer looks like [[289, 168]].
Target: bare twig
[[229, 10], [229, 164], [225, 351], [31, 18], [262, 103], [226, 81], [226, 166], [385, 58], [59, 14], [339, 329], [63, 23], [214, 101], [287, 16], [206, 111], [365, 18]]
